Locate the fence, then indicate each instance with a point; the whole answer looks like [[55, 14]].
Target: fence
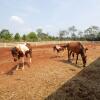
[[41, 43], [33, 43]]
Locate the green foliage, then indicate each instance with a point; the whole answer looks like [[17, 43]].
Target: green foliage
[[5, 35], [17, 37], [43, 37], [62, 33], [39, 31], [24, 37], [72, 29], [91, 34], [74, 37], [32, 37], [98, 36]]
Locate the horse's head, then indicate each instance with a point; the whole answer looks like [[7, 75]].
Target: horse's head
[[15, 53], [29, 45], [84, 58], [85, 49]]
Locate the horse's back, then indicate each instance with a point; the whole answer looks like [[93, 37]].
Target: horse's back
[[22, 47], [75, 47]]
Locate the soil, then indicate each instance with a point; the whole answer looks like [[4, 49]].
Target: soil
[[50, 76]]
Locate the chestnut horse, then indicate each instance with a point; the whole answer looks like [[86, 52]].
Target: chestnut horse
[[77, 47], [20, 51], [74, 53]]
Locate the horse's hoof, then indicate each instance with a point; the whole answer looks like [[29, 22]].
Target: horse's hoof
[[16, 68], [22, 68]]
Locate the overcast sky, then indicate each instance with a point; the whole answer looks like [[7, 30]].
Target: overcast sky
[[51, 15]]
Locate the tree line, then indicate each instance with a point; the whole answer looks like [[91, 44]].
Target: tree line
[[72, 33]]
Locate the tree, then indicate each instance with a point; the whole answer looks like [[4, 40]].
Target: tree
[[80, 33], [5, 35], [73, 36], [39, 33], [88, 30], [24, 37], [72, 30], [62, 33], [43, 36], [92, 37], [98, 36], [32, 37], [17, 37], [93, 30]]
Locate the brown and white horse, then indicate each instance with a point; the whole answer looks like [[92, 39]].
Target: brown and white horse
[[59, 48], [77, 48], [21, 51]]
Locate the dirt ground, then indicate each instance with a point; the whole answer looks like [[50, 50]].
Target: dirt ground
[[50, 77]]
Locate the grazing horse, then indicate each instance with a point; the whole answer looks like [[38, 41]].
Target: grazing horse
[[74, 53], [59, 48], [77, 47], [20, 51]]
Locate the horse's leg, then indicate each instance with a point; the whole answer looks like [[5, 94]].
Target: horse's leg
[[73, 55], [63, 52], [23, 63], [58, 53], [30, 53], [76, 58], [17, 66], [30, 59], [54, 49], [68, 55], [84, 63]]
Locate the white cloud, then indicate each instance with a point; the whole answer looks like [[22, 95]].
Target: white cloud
[[17, 19]]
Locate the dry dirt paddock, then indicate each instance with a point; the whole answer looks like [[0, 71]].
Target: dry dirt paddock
[[50, 77]]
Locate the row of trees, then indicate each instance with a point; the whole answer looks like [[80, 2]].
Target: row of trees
[[92, 34], [6, 36]]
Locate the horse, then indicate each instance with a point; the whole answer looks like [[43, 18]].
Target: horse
[[77, 48], [59, 48], [73, 54], [21, 51]]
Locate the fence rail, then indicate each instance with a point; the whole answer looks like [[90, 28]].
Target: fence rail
[[42, 43]]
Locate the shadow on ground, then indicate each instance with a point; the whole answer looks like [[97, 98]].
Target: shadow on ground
[[11, 71], [71, 63], [84, 86]]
